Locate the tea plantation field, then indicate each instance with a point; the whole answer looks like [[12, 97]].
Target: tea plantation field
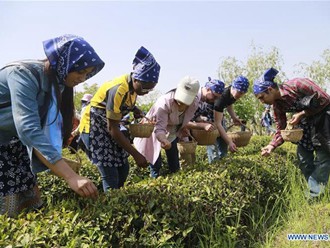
[[231, 203]]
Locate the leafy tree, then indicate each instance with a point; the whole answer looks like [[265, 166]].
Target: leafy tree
[[248, 107], [145, 102], [87, 89], [229, 69], [149, 98], [318, 71]]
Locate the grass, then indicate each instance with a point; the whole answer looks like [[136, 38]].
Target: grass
[[305, 216], [293, 213]]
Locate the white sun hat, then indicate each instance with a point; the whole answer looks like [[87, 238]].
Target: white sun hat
[[187, 90], [87, 97]]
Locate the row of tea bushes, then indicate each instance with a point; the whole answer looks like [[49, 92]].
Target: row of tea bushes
[[171, 211]]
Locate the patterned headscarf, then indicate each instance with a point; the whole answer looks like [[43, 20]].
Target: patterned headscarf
[[215, 85], [70, 53], [266, 80], [145, 67], [241, 84]]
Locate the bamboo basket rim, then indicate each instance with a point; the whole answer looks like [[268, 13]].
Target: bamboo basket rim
[[240, 138], [292, 130], [183, 146], [204, 137], [142, 124], [292, 135], [143, 130]]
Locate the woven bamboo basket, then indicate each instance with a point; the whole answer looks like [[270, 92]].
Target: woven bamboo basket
[[74, 164], [187, 147], [293, 135], [203, 137], [141, 130], [240, 138]]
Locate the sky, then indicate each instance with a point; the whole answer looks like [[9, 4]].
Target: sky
[[185, 37]]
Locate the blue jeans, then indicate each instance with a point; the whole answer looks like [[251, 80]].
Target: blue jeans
[[322, 169], [172, 155], [113, 177], [307, 163], [84, 138], [315, 165], [217, 151]]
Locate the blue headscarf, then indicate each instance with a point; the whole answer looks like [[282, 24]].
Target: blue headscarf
[[145, 67], [241, 84], [215, 85], [266, 80], [70, 53]]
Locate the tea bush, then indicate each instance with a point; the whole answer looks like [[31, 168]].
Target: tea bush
[[175, 210]]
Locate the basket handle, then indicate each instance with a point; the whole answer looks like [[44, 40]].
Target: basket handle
[[144, 117], [76, 153], [149, 120], [231, 125], [189, 135], [193, 139], [289, 126]]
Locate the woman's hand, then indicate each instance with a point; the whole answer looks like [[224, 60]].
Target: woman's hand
[[165, 144], [296, 118], [232, 147], [82, 186], [140, 160], [209, 127], [267, 150]]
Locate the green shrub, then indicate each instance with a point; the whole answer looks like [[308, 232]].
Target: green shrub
[[177, 210]]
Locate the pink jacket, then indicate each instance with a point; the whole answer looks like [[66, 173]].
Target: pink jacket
[[167, 119]]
